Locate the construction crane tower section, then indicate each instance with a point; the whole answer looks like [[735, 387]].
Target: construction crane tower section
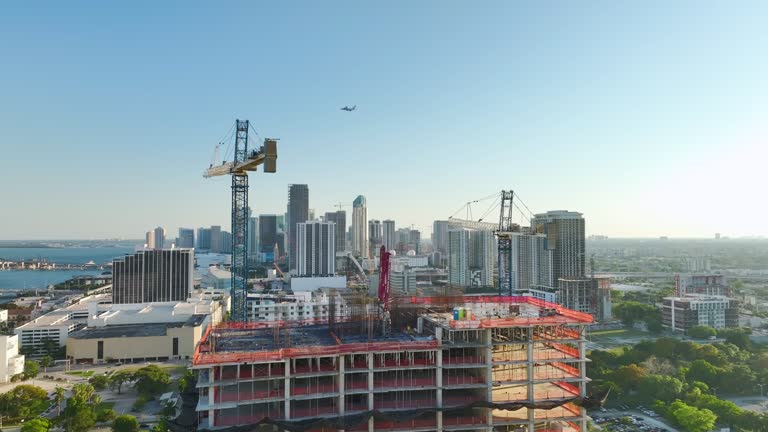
[[504, 242], [243, 161]]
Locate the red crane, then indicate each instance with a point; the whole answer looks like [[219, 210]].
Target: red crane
[[384, 279]]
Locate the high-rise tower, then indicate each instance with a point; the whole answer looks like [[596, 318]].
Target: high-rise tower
[[565, 236], [340, 219], [298, 211], [315, 248], [360, 227], [388, 234]]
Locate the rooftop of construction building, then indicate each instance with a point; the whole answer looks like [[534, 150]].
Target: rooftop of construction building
[[275, 341]]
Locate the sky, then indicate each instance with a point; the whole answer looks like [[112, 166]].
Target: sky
[[650, 118]]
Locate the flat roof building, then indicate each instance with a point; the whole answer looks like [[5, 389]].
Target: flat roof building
[[162, 275]]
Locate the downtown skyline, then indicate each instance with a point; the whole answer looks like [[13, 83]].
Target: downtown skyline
[[620, 112]]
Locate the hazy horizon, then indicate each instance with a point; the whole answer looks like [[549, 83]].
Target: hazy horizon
[[650, 119]]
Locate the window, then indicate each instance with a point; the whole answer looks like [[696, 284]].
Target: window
[[100, 350], [175, 346]]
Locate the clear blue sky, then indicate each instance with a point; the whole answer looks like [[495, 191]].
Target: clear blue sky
[[648, 117]]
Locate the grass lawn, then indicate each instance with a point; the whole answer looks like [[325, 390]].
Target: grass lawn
[[84, 374], [103, 407]]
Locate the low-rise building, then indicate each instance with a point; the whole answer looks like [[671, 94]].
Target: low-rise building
[[681, 313], [300, 306], [11, 362], [55, 327]]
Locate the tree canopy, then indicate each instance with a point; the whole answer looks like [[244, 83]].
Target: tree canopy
[[125, 423], [23, 402], [151, 380], [36, 425], [701, 332]]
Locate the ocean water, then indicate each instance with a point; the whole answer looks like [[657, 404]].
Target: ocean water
[[31, 279]]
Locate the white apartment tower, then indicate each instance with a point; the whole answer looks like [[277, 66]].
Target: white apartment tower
[[360, 227], [315, 248], [471, 257], [388, 234]]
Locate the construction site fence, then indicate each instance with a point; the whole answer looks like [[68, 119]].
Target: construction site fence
[[395, 418]]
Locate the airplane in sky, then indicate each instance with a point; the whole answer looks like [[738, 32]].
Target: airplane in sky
[[348, 109]]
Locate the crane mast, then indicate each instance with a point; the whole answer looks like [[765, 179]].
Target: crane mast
[[243, 162], [504, 235], [240, 225]]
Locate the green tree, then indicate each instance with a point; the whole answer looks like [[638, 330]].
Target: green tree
[[118, 378], [106, 415], [151, 380], [125, 423], [31, 369], [701, 332], [78, 417], [661, 387], [46, 362], [691, 418], [628, 376], [82, 393], [58, 397], [704, 371], [186, 381], [99, 382], [23, 402], [36, 425]]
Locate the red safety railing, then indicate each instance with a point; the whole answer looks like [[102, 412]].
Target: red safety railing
[[206, 358], [404, 361], [311, 412], [313, 369], [457, 380], [567, 368], [405, 382], [314, 389], [463, 360], [245, 395], [574, 316], [411, 403]]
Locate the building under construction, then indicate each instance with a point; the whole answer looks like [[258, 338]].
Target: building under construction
[[465, 363]]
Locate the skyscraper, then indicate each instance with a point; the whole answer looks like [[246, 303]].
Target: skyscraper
[[216, 246], [340, 219], [470, 257], [267, 236], [159, 275], [440, 236], [226, 242], [149, 241], [388, 234], [159, 238], [186, 238], [298, 211], [203, 239], [253, 238], [374, 237], [360, 227], [414, 240], [315, 248], [531, 262], [565, 236]]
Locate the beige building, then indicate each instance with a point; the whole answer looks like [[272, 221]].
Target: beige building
[[11, 362], [137, 342]]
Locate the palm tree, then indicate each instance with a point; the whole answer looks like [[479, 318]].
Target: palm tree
[[59, 397]]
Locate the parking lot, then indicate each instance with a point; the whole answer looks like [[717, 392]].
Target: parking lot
[[626, 420]]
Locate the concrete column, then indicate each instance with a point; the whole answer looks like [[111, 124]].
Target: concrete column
[[287, 384], [582, 376], [489, 376], [211, 399], [370, 391], [531, 377], [439, 376], [341, 381]]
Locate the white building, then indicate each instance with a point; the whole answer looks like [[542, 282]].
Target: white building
[[316, 248], [471, 257], [304, 284], [98, 311], [388, 234], [682, 313], [360, 227], [11, 362], [531, 262], [308, 306]]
